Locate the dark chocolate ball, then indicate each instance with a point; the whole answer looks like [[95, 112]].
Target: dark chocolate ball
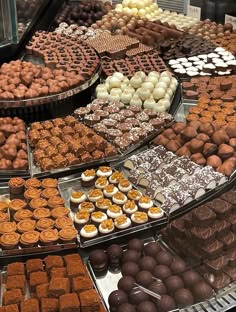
[[165, 304], [158, 288], [116, 298], [130, 268], [136, 244], [146, 306], [151, 249], [114, 253], [178, 266], [147, 263], [98, 259], [130, 255], [136, 296], [164, 257], [161, 271], [202, 291], [126, 307], [173, 283], [183, 297], [126, 283], [144, 278], [191, 278]]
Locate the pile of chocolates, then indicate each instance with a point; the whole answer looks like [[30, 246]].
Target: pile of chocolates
[[13, 148], [227, 42], [35, 216], [204, 143], [207, 236], [174, 181], [66, 142], [122, 126]]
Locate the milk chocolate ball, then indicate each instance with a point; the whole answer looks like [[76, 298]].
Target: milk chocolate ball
[[146, 306], [130, 255], [136, 244], [164, 257], [161, 271], [144, 278], [173, 283], [178, 266], [126, 283], [191, 278], [202, 291], [158, 288], [98, 259], [130, 268], [151, 249], [126, 307], [165, 304], [183, 297], [136, 296], [114, 253], [147, 263], [117, 298]]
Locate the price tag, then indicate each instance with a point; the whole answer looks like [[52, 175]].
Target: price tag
[[194, 12], [230, 19]]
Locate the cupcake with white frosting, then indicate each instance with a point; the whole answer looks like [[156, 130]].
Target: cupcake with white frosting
[[155, 213], [114, 211], [122, 222], [89, 231], [124, 185], [87, 206], [88, 178], [76, 198], [139, 217], [119, 198], [145, 203], [94, 195], [81, 218], [116, 177], [106, 227], [130, 207], [134, 195], [103, 204], [104, 171], [101, 183], [97, 217], [110, 190]]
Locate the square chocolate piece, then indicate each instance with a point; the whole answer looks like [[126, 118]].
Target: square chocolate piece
[[42, 291], [13, 296], [30, 305], [74, 258], [49, 305], [10, 308], [203, 216], [230, 197], [229, 240], [16, 281], [16, 268], [69, 303], [221, 207], [58, 272], [59, 286], [75, 270], [80, 284], [34, 265], [53, 262], [89, 301], [37, 278]]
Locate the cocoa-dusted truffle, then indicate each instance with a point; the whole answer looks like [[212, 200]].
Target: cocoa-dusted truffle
[[136, 244], [147, 263], [173, 283], [130, 255], [130, 268], [164, 257], [136, 296], [126, 283], [202, 291], [146, 306], [98, 260], [151, 249], [161, 271], [191, 278], [183, 297], [114, 253], [144, 278], [116, 298]]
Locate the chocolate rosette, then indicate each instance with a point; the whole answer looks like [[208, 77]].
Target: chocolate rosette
[[49, 192], [32, 182], [26, 225], [56, 201], [48, 236], [16, 182], [44, 224], [40, 213], [29, 238], [49, 182], [38, 203], [17, 204], [68, 234], [9, 240], [60, 212], [63, 222], [7, 227], [32, 193], [4, 217], [23, 214], [3, 206]]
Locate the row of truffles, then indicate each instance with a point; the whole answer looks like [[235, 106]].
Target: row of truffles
[[13, 147], [174, 181], [35, 216], [206, 235], [52, 284], [106, 202], [84, 13], [143, 60], [220, 62], [154, 91], [202, 143], [123, 126], [63, 142]]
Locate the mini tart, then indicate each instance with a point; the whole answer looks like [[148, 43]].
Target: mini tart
[[97, 217], [56, 201], [87, 206], [124, 185], [81, 218], [134, 195], [60, 212], [16, 185], [26, 225], [119, 198], [103, 204], [106, 227], [9, 240], [49, 192], [40, 213], [68, 234], [94, 195], [38, 203], [48, 236], [145, 202], [139, 217], [101, 182], [110, 190], [29, 239], [17, 204], [88, 177], [130, 207], [23, 214], [49, 182], [7, 227], [88, 232], [3, 206], [116, 177], [122, 222], [4, 217], [104, 171], [155, 213], [76, 198], [44, 224], [31, 193], [114, 211], [63, 222], [32, 182]]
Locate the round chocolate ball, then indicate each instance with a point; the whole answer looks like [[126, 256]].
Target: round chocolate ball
[[126, 283], [151, 249], [164, 257], [114, 253], [191, 278], [178, 266], [165, 304], [144, 278], [126, 307], [147, 263], [183, 298], [136, 244], [161, 271], [173, 283], [130, 255], [136, 296], [202, 291], [130, 268], [116, 298], [158, 288], [98, 259], [146, 306]]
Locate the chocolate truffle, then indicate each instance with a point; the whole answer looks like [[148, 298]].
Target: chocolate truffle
[[202, 291], [183, 297], [136, 244], [166, 303], [147, 263], [130, 255], [190, 278], [152, 249], [126, 307], [161, 271], [117, 298], [129, 268], [164, 257], [146, 306], [173, 283], [158, 288], [178, 266], [114, 253], [136, 296], [98, 260], [126, 283], [144, 278]]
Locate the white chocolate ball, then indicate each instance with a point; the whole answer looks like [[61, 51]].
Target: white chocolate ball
[[114, 82], [149, 85], [144, 93], [102, 95], [136, 101], [149, 103], [120, 76], [161, 84], [126, 97], [164, 102], [114, 97], [158, 93], [140, 74], [115, 91], [130, 90], [135, 82]]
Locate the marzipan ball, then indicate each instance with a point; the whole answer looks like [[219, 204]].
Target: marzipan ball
[[130, 255], [126, 307], [206, 128], [203, 137], [146, 306], [190, 278], [173, 146], [116, 298], [151, 249], [214, 161], [178, 266], [126, 283], [169, 134], [147, 263], [232, 142], [183, 151], [178, 127], [179, 139], [165, 304], [183, 297], [136, 244], [98, 259], [195, 124], [144, 278], [114, 253], [220, 137], [158, 288], [227, 167], [164, 257], [225, 151], [198, 159], [161, 271], [136, 296], [196, 146], [173, 283], [188, 133], [231, 131], [202, 291], [130, 268]]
